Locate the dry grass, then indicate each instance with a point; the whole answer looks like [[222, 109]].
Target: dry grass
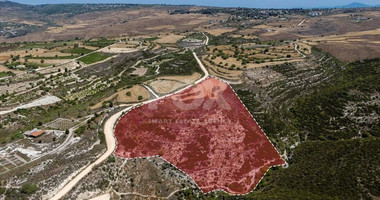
[[304, 46], [274, 56], [351, 46], [123, 47], [244, 36], [185, 79], [143, 21], [122, 97], [219, 31], [169, 38], [167, 84], [163, 27], [4, 58], [4, 69], [48, 61], [331, 25], [351, 52], [233, 75], [34, 53], [141, 71]]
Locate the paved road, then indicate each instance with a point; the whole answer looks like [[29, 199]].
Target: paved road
[[109, 128], [151, 91]]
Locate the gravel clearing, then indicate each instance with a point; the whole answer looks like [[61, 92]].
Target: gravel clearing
[[46, 100]]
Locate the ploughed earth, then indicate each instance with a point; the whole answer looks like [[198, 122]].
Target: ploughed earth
[[204, 131]]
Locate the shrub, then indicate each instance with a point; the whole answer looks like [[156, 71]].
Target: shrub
[[28, 188], [111, 159]]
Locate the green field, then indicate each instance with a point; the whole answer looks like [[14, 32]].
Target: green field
[[93, 58], [99, 43], [77, 50]]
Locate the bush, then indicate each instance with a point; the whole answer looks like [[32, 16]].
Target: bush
[[111, 159], [28, 188], [2, 190], [80, 130]]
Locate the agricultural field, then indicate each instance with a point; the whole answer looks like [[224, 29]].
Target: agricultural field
[[246, 56], [219, 31], [169, 38], [93, 58], [125, 96], [168, 84], [350, 46], [128, 46], [61, 124], [77, 50]]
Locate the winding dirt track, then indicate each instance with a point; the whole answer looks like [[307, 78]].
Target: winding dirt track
[[109, 127]]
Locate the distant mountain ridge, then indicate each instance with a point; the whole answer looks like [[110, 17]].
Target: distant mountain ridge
[[10, 4], [357, 5]]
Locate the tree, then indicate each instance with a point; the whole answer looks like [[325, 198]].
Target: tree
[[42, 61], [140, 98], [128, 93]]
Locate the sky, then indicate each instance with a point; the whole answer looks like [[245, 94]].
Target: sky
[[221, 3]]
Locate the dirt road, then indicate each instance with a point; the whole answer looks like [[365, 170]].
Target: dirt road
[[111, 144]]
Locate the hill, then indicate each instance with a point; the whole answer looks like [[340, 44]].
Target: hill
[[357, 5]]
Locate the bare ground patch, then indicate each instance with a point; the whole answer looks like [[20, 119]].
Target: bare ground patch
[[130, 95]]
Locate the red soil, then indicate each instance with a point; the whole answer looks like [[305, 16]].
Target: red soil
[[206, 132]]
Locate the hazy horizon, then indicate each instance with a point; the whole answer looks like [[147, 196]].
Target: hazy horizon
[[218, 3]]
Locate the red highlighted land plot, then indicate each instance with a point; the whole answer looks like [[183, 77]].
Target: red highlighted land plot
[[204, 131]]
